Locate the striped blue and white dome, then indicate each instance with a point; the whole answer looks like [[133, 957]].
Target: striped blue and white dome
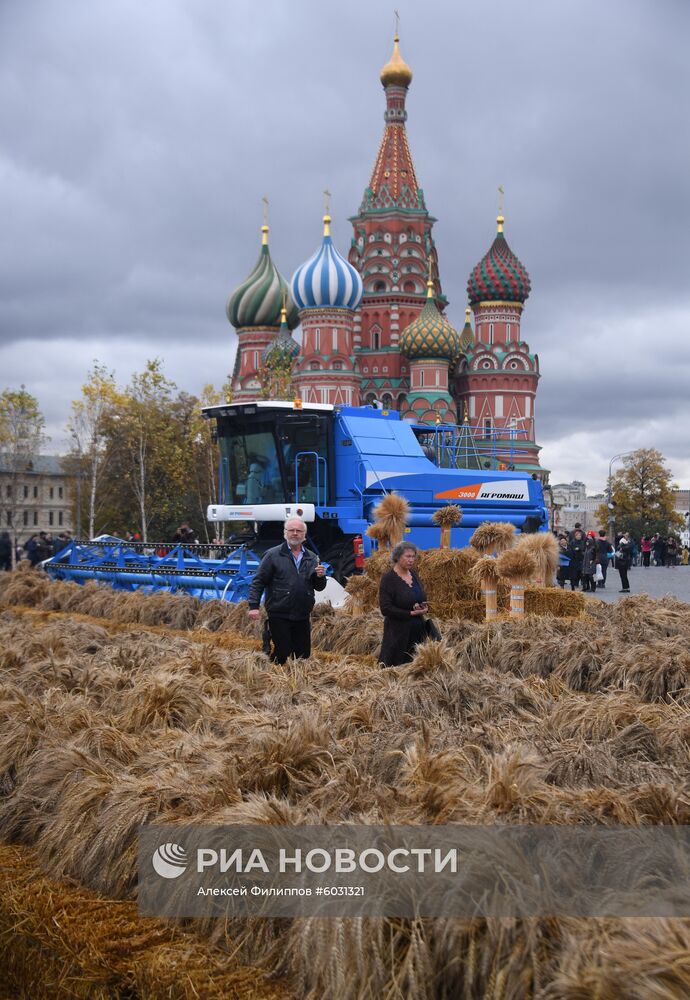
[[326, 280]]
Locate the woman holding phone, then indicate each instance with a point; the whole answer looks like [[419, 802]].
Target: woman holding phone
[[403, 604]]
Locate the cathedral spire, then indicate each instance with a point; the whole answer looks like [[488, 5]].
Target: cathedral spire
[[393, 181]]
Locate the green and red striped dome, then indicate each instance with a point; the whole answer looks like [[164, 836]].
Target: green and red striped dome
[[499, 276], [259, 299]]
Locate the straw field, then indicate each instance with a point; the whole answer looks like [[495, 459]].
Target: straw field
[[122, 709]]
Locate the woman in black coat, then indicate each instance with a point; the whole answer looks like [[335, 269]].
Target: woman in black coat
[[402, 600], [624, 561]]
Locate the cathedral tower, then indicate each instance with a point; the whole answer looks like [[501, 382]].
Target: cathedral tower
[[430, 344], [391, 244], [327, 291], [254, 309], [496, 374]]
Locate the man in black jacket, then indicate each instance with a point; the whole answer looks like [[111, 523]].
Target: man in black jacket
[[289, 574]]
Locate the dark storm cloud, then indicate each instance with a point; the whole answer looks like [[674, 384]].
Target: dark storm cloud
[[136, 141]]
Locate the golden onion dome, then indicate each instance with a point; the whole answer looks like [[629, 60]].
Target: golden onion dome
[[396, 71], [430, 335]]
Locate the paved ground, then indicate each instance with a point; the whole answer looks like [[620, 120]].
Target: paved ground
[[654, 580]]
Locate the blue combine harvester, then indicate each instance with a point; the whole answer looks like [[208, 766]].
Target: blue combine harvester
[[332, 466]]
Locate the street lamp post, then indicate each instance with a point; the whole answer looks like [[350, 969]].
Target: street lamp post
[[609, 492]]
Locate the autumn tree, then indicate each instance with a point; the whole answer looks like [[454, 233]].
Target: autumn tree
[[147, 454], [161, 458], [203, 454], [148, 457], [21, 437], [642, 492], [88, 429]]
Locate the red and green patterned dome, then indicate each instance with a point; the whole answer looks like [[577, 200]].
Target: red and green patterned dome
[[499, 276], [430, 335]]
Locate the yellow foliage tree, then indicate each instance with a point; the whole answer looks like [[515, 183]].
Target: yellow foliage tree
[[642, 494]]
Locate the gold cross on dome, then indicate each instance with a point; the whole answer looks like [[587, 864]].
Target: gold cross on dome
[[327, 202], [397, 23], [501, 194], [265, 204]]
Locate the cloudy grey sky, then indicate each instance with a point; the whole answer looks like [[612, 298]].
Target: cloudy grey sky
[[137, 139]]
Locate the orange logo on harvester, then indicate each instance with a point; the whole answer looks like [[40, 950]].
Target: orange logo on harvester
[[469, 492], [502, 489]]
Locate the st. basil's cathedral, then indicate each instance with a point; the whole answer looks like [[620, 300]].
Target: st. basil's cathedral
[[374, 328]]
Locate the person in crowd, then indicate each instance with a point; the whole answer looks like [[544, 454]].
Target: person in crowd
[[658, 550], [605, 552], [671, 551], [590, 561], [685, 555], [563, 573], [5, 551], [646, 548], [636, 558], [61, 541], [577, 555], [403, 604], [184, 535], [624, 561], [46, 546], [289, 574], [31, 549]]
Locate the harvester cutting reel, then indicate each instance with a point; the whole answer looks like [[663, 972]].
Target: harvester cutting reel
[[221, 572]]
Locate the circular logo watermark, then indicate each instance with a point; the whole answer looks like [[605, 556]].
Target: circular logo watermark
[[169, 860]]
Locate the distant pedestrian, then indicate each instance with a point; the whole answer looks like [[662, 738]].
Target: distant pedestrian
[[5, 551], [589, 564], [646, 547], [32, 550], [563, 574], [46, 546], [624, 561], [658, 550], [605, 552], [671, 551], [184, 535], [577, 555]]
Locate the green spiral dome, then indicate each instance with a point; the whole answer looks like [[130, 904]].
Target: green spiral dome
[[259, 299]]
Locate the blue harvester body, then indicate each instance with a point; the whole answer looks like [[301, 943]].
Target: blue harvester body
[[332, 466]]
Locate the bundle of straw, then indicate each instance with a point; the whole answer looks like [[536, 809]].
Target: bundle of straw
[[392, 514], [544, 547], [517, 566], [492, 536], [380, 534], [447, 518], [485, 573]]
